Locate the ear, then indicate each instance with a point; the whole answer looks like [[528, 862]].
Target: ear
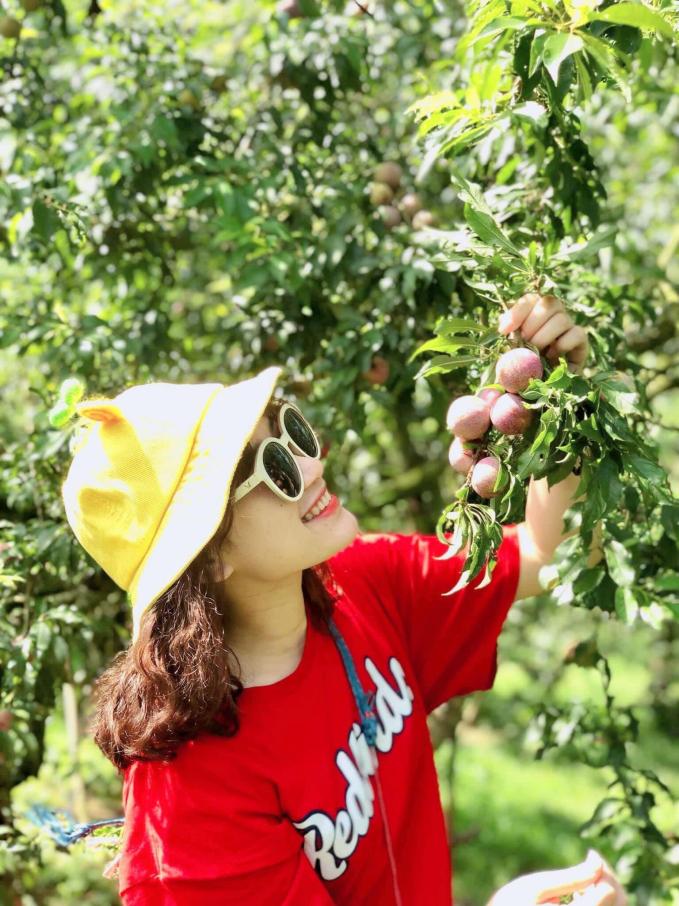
[[224, 570]]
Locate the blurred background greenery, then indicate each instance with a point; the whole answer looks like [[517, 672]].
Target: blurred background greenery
[[186, 196]]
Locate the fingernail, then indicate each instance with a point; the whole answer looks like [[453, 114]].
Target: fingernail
[[504, 322]]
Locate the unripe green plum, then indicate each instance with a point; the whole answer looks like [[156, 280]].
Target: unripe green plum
[[390, 172], [460, 456], [468, 417], [381, 193], [484, 476], [515, 368], [188, 98], [9, 27], [510, 415], [219, 84]]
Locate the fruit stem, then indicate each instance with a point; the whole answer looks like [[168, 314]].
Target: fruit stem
[[477, 455]]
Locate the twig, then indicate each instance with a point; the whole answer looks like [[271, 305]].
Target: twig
[[364, 9]]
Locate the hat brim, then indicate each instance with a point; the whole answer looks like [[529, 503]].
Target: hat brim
[[198, 504]]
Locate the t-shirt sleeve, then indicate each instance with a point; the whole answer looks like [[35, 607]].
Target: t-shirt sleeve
[[197, 833], [451, 640]]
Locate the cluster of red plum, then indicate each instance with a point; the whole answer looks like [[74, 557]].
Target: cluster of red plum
[[383, 194], [469, 417]]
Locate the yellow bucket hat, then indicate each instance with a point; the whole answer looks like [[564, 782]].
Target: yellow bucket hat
[[151, 473]]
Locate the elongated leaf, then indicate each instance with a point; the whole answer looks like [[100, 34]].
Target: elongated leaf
[[557, 48], [635, 14], [584, 78], [443, 344], [45, 220], [443, 364], [504, 23], [536, 51], [448, 326], [487, 229], [619, 561], [604, 55], [626, 605]]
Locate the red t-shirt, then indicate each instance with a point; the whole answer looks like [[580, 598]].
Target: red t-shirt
[[280, 814]]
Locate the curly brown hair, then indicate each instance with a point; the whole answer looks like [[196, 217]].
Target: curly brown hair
[[175, 680]]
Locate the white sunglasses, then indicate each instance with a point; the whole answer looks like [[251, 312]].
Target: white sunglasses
[[274, 465]]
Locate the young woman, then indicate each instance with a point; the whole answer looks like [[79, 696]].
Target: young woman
[[269, 717]]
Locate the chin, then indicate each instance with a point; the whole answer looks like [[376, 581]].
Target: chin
[[338, 536], [347, 531]]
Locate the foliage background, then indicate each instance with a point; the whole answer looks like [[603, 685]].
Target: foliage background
[[185, 196]]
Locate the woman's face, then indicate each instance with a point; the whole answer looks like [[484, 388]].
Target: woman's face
[[268, 541]]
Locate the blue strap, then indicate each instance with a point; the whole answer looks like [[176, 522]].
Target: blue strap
[[60, 826], [365, 701]]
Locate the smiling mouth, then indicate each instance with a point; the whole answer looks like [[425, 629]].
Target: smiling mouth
[[318, 508]]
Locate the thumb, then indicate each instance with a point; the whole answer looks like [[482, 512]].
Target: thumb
[[568, 880]]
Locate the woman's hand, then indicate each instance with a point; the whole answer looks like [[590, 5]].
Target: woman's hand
[[591, 882], [544, 322]]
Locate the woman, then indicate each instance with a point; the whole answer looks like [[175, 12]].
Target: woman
[[269, 717]]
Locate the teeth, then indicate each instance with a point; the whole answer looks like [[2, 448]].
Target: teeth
[[320, 506]]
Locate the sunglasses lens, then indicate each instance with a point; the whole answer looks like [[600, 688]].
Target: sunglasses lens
[[282, 470], [300, 431]]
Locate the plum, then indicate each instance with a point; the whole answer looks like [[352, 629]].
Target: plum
[[468, 417], [460, 455], [484, 476], [515, 368], [510, 415], [489, 395]]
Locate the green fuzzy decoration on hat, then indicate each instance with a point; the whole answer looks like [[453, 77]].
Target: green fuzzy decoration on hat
[[71, 391]]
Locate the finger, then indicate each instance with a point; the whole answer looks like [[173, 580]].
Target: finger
[[609, 875], [601, 894], [514, 317], [558, 325], [542, 311], [567, 880], [573, 341]]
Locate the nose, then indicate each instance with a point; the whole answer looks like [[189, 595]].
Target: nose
[[311, 469]]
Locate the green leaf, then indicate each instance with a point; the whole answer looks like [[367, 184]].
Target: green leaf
[[635, 14], [626, 605], [606, 478], [588, 579], [488, 230], [447, 326], [584, 78], [502, 23], [45, 220], [557, 48], [645, 468], [605, 57], [669, 582], [536, 51], [442, 344], [443, 364], [620, 396], [619, 562]]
